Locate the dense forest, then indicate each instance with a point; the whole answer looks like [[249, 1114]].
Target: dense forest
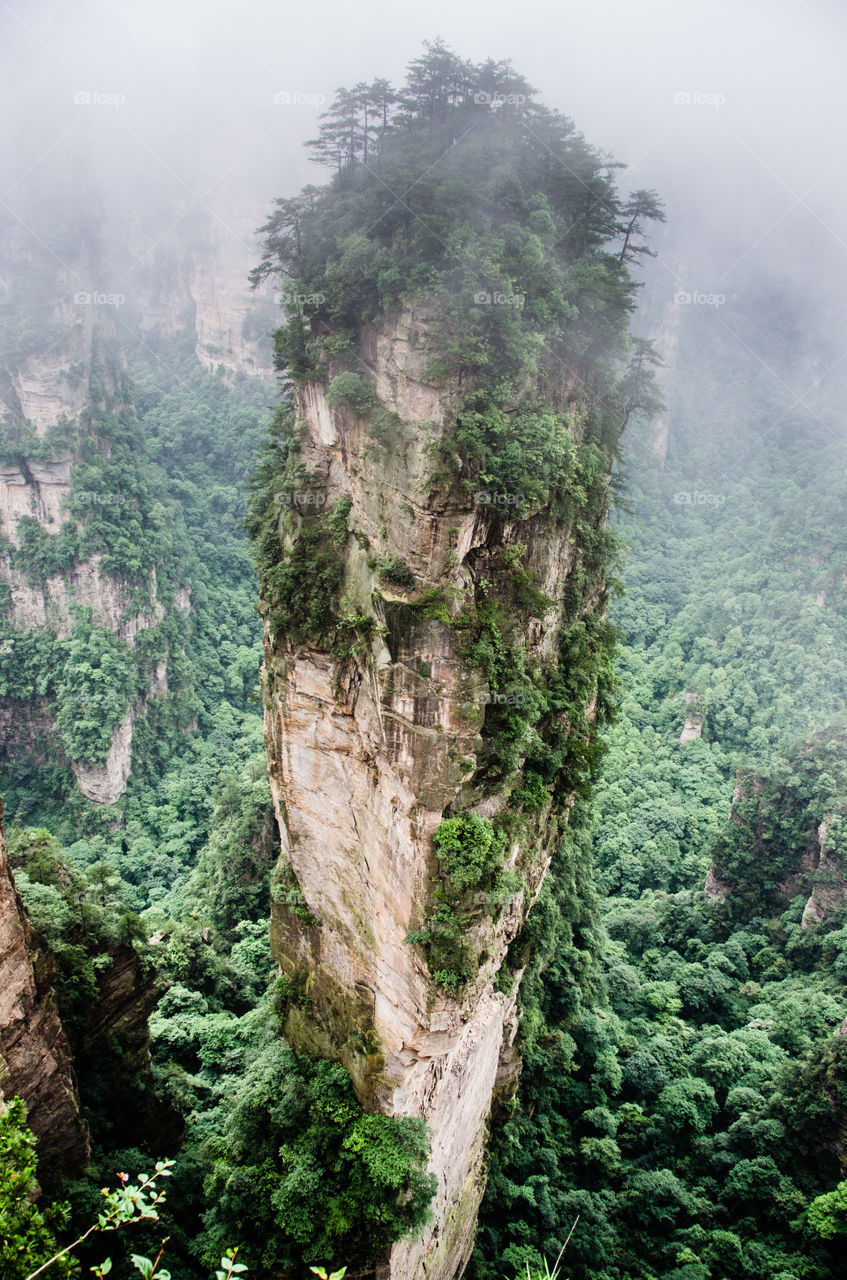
[[681, 1108], [701, 1134]]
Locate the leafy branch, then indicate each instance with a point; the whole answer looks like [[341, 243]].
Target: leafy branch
[[128, 1203]]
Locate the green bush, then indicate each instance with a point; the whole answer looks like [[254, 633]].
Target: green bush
[[393, 570], [351, 390], [473, 883], [470, 849], [301, 1174], [27, 1238], [95, 690]]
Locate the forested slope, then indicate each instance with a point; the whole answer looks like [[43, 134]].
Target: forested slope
[[683, 1098], [685, 1082]]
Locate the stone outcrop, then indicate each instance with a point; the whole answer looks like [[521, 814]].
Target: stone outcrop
[[369, 751], [829, 880], [45, 383], [666, 316], [810, 867], [106, 783], [693, 727], [714, 887], [198, 283], [35, 1060]]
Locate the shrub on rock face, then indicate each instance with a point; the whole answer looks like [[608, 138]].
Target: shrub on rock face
[[350, 390], [470, 849], [300, 1173]]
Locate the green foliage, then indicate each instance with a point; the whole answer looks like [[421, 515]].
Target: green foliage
[[95, 690], [81, 916], [777, 812], [39, 554], [393, 570], [229, 1266], [24, 1238], [513, 248], [158, 482], [301, 581], [229, 886], [469, 850], [472, 884], [27, 1232], [351, 390], [827, 1214], [683, 1085], [332, 1181]]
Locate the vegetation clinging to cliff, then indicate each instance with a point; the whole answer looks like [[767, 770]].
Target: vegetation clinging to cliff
[[462, 189], [694, 1115], [513, 239]]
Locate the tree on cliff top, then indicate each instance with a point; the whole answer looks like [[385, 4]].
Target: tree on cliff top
[[463, 189]]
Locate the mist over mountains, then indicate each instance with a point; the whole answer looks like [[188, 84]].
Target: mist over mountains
[[435, 905]]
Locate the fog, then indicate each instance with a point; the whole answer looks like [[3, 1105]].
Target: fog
[[152, 111]]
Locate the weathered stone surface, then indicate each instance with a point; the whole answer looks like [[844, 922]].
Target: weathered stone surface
[[194, 278], [35, 1060], [829, 892], [106, 783], [693, 727], [714, 887], [46, 387], [366, 754]]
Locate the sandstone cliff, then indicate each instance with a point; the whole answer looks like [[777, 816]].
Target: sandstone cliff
[[35, 1061], [783, 839], [59, 380], [66, 322], [194, 278], [828, 876], [371, 747]]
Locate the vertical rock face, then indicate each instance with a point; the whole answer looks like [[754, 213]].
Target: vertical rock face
[[371, 747], [35, 1060], [829, 875], [120, 281], [783, 840], [55, 367], [693, 727], [194, 278]]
